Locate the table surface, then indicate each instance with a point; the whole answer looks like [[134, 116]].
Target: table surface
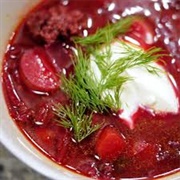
[[13, 169]]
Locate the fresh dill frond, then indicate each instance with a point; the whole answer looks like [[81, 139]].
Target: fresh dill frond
[[134, 57], [98, 93], [107, 33], [73, 117], [95, 94], [81, 87]]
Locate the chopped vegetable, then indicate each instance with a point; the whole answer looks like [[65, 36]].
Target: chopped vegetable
[[110, 144], [82, 87], [37, 73]]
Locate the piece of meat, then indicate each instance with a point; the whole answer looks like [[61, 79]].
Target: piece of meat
[[49, 24]]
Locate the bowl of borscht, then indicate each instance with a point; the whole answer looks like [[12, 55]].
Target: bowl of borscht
[[90, 89]]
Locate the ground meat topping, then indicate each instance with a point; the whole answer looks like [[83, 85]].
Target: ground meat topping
[[47, 25]]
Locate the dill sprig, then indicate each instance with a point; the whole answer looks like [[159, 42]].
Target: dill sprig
[[83, 86], [90, 93], [130, 57], [107, 33], [73, 117]]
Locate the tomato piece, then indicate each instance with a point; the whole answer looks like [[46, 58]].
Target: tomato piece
[[110, 144], [37, 72]]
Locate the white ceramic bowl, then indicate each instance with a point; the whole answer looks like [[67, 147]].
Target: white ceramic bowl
[[12, 11]]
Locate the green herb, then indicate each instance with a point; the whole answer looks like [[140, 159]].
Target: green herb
[[80, 86], [73, 117], [83, 87], [86, 91], [108, 33]]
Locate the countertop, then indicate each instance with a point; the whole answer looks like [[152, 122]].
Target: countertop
[[13, 169]]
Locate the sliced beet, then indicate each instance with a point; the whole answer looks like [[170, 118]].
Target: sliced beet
[[110, 144], [37, 72]]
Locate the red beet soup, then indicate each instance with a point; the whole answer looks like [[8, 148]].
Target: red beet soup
[[98, 143]]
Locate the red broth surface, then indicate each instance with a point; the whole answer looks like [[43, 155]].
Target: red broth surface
[[152, 148]]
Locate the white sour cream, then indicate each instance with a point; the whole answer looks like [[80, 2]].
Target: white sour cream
[[153, 92]]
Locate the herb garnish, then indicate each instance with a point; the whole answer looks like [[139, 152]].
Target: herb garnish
[[108, 33], [89, 94], [83, 87], [73, 117]]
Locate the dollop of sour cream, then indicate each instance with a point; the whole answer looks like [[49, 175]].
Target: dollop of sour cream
[[153, 92]]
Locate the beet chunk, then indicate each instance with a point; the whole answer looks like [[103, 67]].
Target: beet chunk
[[110, 144], [56, 21]]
